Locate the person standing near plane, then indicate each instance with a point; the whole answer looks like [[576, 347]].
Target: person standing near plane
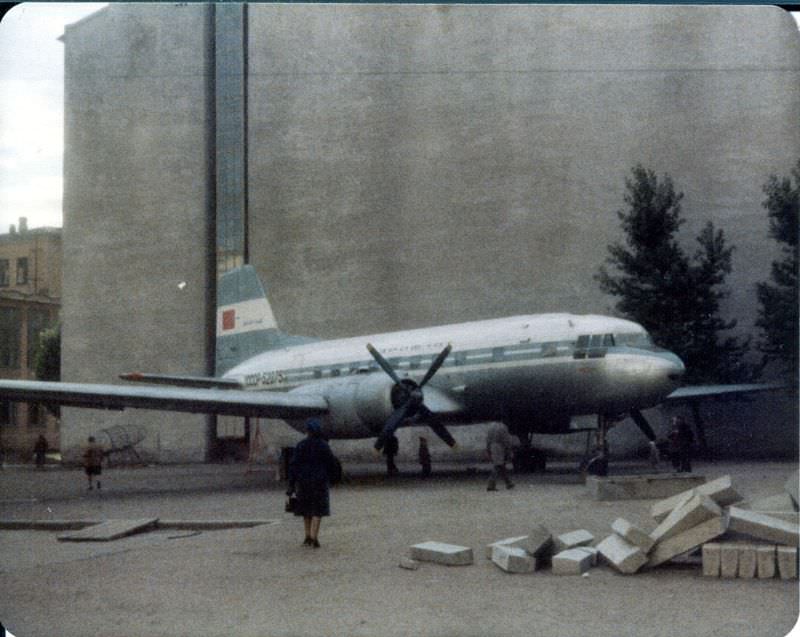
[[40, 451], [424, 457], [498, 446], [390, 450], [311, 469], [93, 461], [681, 439]]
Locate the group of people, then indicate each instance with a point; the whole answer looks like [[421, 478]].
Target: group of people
[[392, 447]]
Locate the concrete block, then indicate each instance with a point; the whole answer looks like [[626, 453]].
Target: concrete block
[[634, 535], [686, 541], [787, 561], [571, 562], [729, 560], [720, 490], [641, 487], [763, 526], [509, 541], [765, 558], [591, 550], [109, 530], [711, 559], [747, 561], [695, 510], [622, 555], [791, 487], [540, 543], [573, 539], [408, 563], [513, 559], [441, 553]]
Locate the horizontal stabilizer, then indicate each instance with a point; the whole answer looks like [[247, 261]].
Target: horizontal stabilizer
[[228, 402], [182, 381], [721, 391]]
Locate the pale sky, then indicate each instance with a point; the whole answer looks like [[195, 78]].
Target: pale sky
[[31, 110]]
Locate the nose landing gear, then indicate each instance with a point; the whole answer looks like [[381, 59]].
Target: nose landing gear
[[595, 462], [526, 458]]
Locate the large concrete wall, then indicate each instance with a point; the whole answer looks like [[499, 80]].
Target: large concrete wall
[[135, 208], [409, 165], [421, 164]]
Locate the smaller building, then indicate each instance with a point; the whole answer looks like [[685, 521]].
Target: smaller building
[[30, 300]]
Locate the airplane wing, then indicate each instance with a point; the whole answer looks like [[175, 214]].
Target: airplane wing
[[686, 394], [228, 402], [182, 381]]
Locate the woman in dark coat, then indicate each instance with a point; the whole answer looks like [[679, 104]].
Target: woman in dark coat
[[310, 472]]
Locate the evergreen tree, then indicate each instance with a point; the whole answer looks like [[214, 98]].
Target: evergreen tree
[[47, 361], [677, 299], [778, 312]]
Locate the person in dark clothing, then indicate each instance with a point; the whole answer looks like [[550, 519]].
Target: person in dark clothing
[[93, 461], [390, 450], [681, 439], [310, 471], [424, 456], [39, 451]]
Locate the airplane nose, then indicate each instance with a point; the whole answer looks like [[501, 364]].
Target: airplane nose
[[675, 368]]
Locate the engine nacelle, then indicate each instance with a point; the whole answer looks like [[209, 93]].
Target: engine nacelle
[[359, 405]]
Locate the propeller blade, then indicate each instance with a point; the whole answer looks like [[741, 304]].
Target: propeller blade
[[384, 364], [437, 363], [642, 423], [398, 415], [436, 425]]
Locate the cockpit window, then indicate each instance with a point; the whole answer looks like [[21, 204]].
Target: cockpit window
[[641, 340]]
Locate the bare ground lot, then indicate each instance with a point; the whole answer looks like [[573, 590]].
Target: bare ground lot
[[261, 581]]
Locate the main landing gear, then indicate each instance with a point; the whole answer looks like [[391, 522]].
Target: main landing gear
[[526, 458]]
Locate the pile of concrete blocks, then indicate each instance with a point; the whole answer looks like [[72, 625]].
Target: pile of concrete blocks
[[524, 553], [626, 549], [770, 528], [710, 517]]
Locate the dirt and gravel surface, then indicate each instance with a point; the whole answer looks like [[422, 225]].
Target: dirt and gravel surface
[[262, 582]]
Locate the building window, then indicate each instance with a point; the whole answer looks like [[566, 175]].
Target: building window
[[38, 322], [7, 413], [22, 270], [4, 279], [35, 418], [9, 337]]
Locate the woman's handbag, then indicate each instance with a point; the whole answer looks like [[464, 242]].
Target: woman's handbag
[[291, 503]]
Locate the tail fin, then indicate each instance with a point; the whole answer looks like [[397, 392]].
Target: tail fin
[[246, 325]]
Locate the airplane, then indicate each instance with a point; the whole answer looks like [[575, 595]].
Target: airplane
[[532, 372]]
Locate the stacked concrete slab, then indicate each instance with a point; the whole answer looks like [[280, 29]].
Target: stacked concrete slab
[[772, 551], [574, 561], [626, 548], [720, 491], [573, 539], [513, 559], [441, 553], [625, 557], [524, 553]]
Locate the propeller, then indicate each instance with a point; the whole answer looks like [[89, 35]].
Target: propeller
[[642, 423], [410, 398]]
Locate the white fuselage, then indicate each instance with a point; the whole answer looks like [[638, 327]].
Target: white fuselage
[[522, 367]]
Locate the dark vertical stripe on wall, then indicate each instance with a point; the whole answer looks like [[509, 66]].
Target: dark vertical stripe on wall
[[211, 215], [245, 132], [231, 133]]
